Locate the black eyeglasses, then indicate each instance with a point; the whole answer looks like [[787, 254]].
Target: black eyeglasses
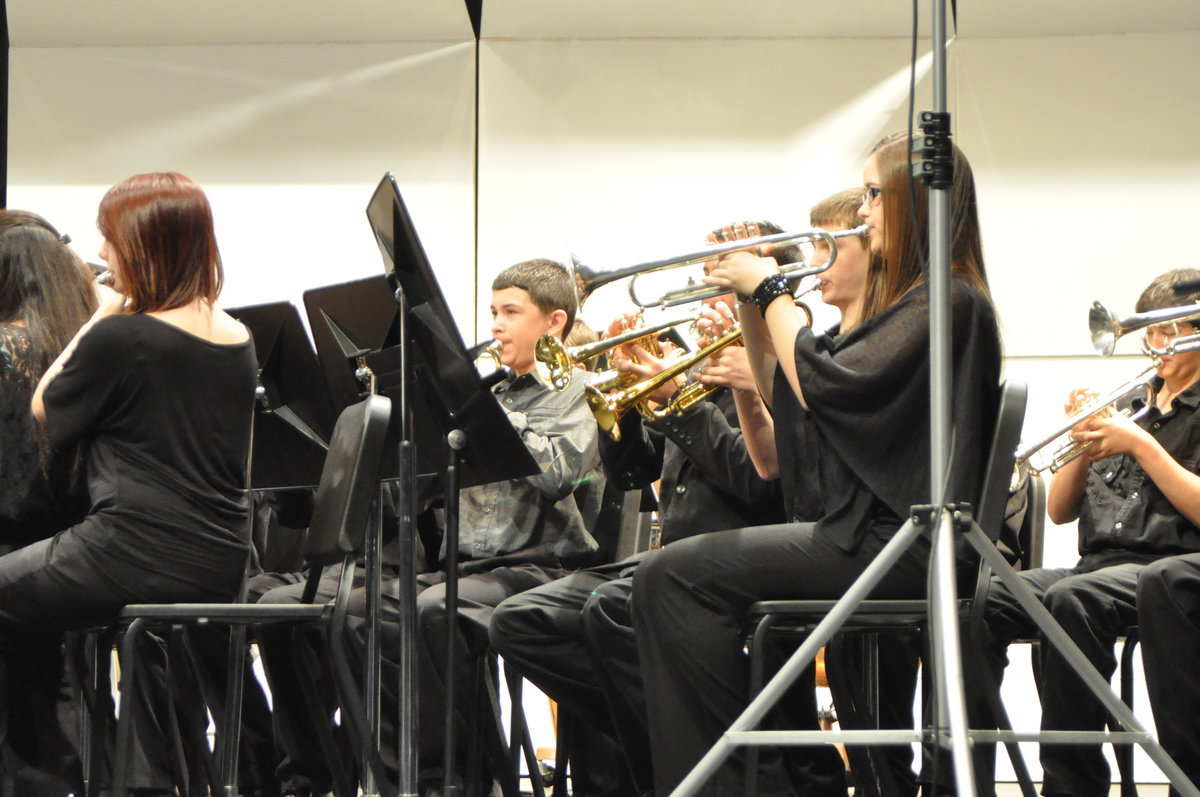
[[871, 194]]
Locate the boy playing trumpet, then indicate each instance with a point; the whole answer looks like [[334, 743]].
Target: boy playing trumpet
[[1136, 494]]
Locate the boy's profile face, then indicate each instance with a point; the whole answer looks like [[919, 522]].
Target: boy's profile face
[[517, 323], [1174, 367], [846, 280]]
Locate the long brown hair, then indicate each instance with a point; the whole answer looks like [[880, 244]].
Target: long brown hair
[[43, 285], [906, 227], [160, 227]]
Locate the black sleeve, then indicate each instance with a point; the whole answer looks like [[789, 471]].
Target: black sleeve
[[636, 460], [868, 392], [91, 384], [714, 444]]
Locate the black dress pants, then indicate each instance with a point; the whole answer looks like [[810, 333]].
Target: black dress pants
[[573, 638], [66, 583], [479, 593], [689, 609], [1168, 599]]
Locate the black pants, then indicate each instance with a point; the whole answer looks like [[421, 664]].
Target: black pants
[[1093, 606], [689, 606], [1168, 599], [574, 639], [62, 584], [303, 764], [479, 593]]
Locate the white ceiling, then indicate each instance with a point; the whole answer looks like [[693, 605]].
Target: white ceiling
[[99, 23]]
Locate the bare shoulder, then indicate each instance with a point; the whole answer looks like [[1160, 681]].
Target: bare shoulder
[[227, 329]]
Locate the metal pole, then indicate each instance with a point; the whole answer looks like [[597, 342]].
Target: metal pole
[[406, 728]]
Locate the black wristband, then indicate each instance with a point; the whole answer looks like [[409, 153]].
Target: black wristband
[[770, 289]]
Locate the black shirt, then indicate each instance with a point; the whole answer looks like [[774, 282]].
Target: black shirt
[[868, 398], [1125, 517], [708, 481], [166, 418]]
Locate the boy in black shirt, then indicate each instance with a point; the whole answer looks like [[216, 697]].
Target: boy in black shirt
[[1136, 495]]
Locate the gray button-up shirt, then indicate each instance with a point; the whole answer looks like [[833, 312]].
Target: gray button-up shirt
[[516, 514]]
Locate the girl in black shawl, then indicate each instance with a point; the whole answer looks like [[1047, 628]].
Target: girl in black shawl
[[859, 399]]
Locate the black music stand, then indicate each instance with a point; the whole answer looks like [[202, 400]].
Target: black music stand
[[394, 334], [294, 411]]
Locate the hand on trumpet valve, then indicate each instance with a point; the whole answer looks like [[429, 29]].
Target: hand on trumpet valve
[[741, 272], [1109, 436], [1078, 400], [738, 232], [730, 367], [645, 364], [623, 323], [714, 321]]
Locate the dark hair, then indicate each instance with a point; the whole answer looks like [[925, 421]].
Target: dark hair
[[160, 227], [547, 283], [906, 227], [43, 285], [839, 211], [1160, 293]]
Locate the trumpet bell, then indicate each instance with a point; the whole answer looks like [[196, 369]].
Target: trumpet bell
[[1104, 327], [605, 411]]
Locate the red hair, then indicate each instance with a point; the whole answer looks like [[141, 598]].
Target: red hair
[[160, 227]]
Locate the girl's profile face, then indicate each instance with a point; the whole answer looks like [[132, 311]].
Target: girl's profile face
[[109, 256], [871, 209]]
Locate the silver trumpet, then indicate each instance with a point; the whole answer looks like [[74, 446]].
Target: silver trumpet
[[1062, 449], [588, 278], [1105, 327]]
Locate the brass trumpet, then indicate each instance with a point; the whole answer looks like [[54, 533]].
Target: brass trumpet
[[608, 409], [1123, 399], [1105, 327], [560, 360], [487, 360], [587, 279]]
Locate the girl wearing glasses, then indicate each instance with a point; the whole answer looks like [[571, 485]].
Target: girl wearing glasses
[[859, 398]]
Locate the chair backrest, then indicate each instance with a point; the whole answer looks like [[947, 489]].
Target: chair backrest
[[998, 470], [349, 482], [1033, 529]]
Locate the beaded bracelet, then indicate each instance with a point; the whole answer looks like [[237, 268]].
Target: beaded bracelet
[[770, 289]]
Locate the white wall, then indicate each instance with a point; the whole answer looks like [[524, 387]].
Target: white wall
[[288, 141], [1084, 150]]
